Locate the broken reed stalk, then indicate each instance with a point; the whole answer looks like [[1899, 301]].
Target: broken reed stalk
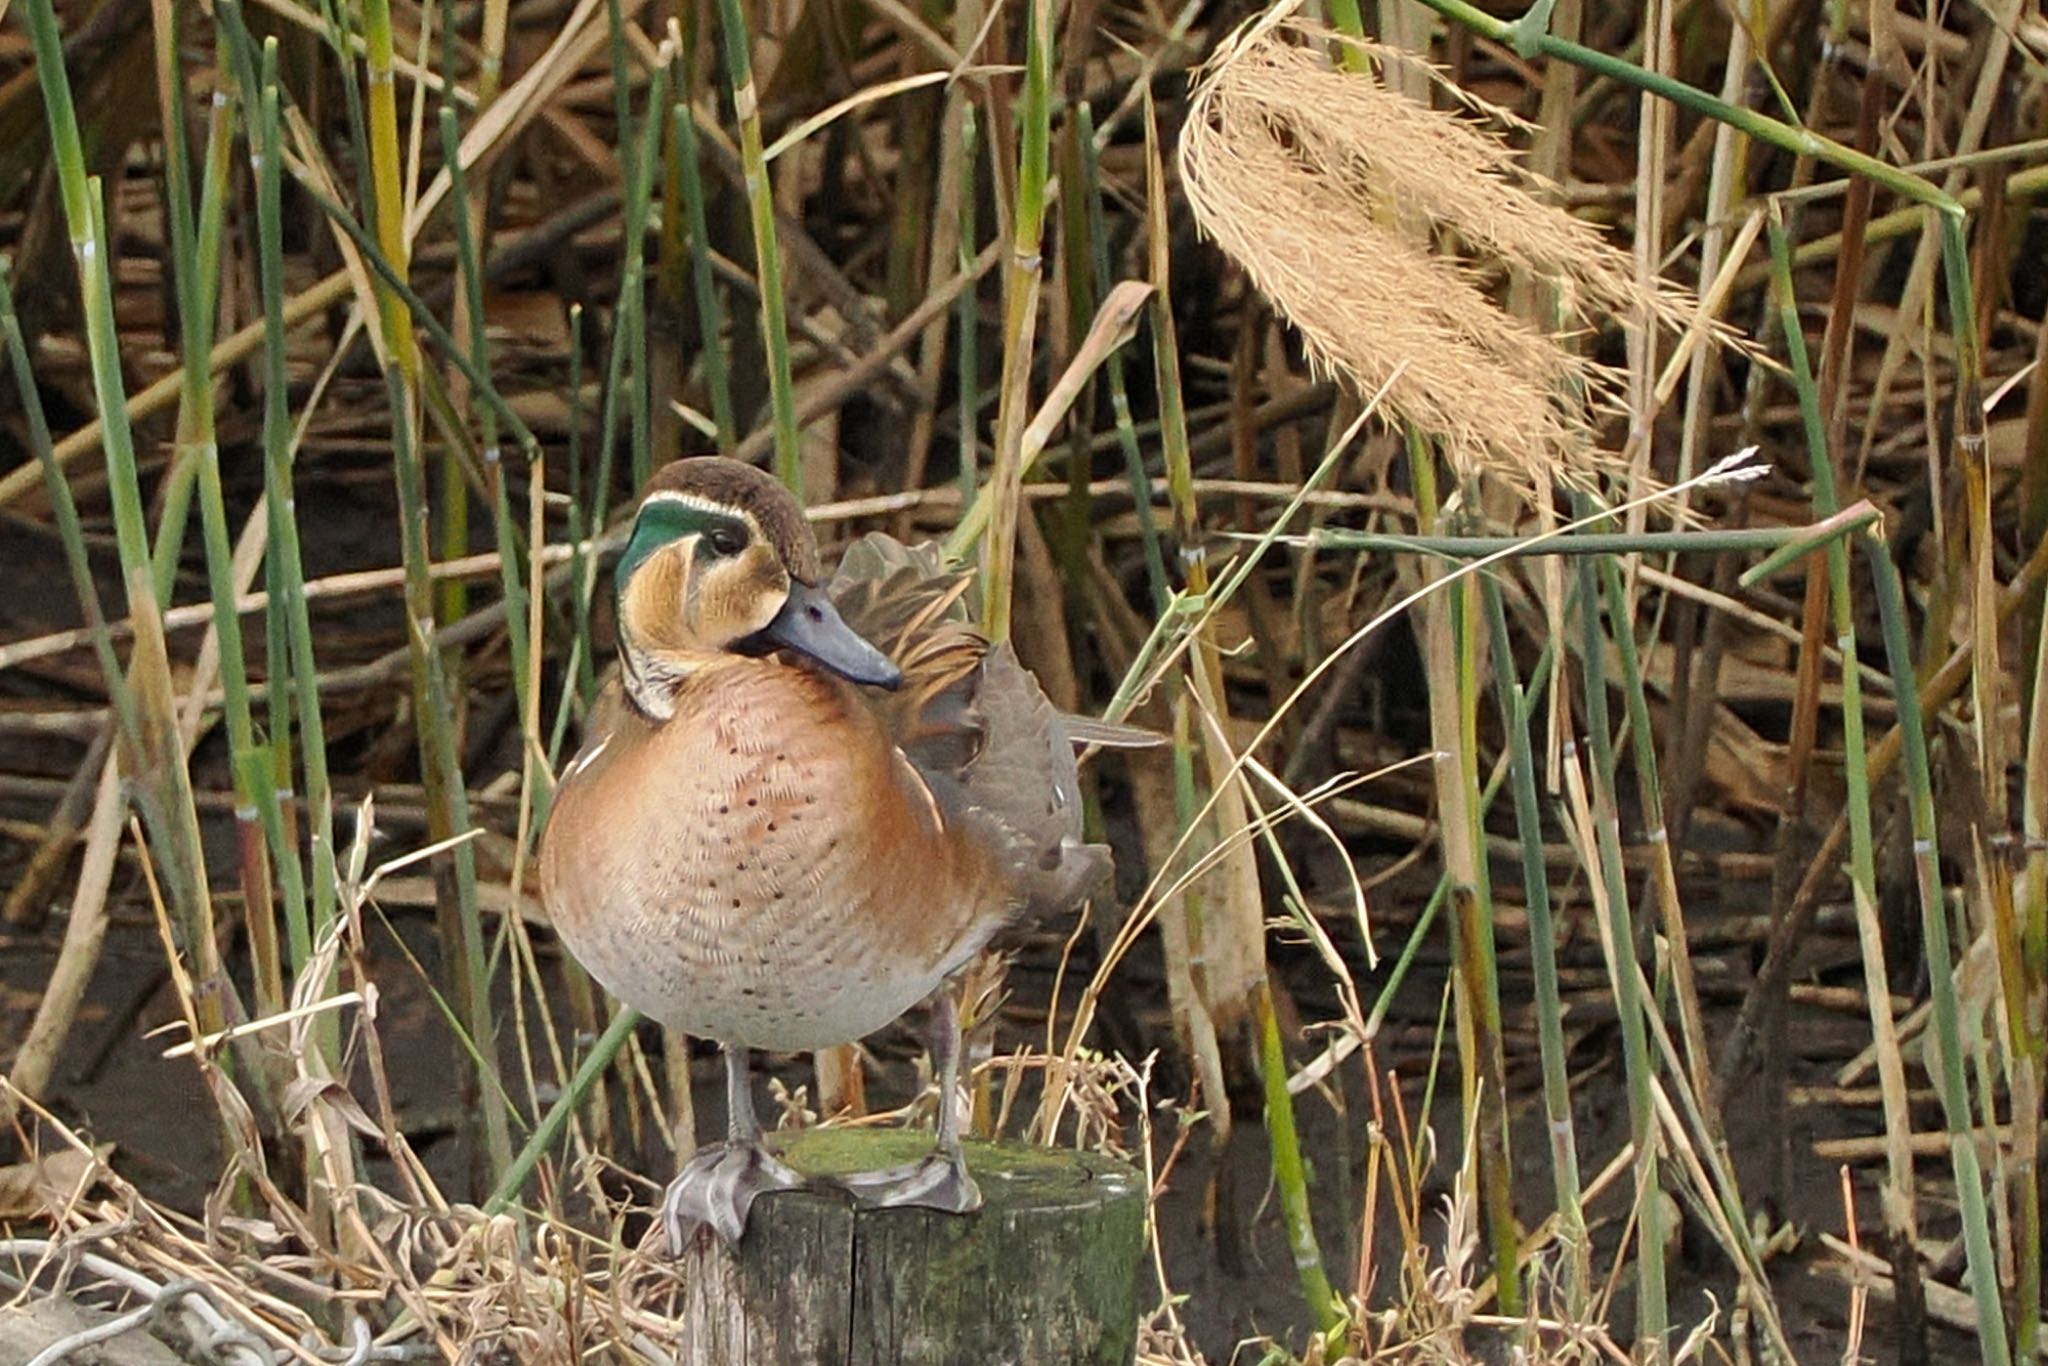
[[1023, 276], [1776, 541], [739, 66], [1897, 1199]]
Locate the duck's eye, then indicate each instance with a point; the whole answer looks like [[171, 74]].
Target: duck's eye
[[725, 541]]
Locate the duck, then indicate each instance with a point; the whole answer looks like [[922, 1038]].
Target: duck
[[801, 807]]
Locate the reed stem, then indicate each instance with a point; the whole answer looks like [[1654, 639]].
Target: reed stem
[[1515, 710], [1950, 1079], [1652, 1308], [746, 101]]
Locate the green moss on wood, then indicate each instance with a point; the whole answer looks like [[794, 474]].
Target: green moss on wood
[[1046, 1271]]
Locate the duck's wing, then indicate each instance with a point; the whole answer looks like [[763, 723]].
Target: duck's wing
[[1025, 784], [911, 606], [973, 720]]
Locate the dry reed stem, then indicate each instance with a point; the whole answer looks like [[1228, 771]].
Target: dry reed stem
[[1322, 183]]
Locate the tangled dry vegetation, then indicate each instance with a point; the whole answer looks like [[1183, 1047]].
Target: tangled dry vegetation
[[1594, 904]]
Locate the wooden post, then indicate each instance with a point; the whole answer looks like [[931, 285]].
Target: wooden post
[[1044, 1274]]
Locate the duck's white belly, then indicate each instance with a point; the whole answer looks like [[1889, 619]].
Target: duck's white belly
[[806, 985]]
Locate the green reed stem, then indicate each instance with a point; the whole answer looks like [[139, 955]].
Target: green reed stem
[[1515, 711], [1992, 1343], [441, 773], [468, 217], [967, 312], [584, 669], [1652, 1308], [153, 753], [1664, 871], [2021, 988], [456, 352], [70, 531], [339, 36], [1290, 1174], [387, 173], [639, 146], [638, 209], [703, 284], [1898, 1203], [510, 582], [1348, 19], [1797, 141], [1540, 678], [1023, 275], [624, 384], [1472, 922], [1119, 395], [258, 816], [178, 482], [124, 490], [2034, 957], [746, 103], [282, 511], [1796, 540], [549, 1130]]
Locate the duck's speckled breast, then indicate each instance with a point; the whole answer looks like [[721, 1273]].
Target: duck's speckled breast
[[763, 869]]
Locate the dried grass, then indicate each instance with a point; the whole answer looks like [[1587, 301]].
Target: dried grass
[[423, 1277], [1371, 222]]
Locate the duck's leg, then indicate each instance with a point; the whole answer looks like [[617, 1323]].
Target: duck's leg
[[940, 1180], [718, 1184]]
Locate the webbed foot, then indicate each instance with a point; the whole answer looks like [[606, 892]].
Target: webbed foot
[[717, 1186], [938, 1181]]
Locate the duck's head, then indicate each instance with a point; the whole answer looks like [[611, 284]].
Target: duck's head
[[722, 562]]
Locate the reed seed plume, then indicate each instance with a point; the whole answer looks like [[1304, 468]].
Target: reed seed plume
[[1368, 219]]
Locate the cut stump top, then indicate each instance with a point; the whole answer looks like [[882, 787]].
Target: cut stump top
[[1045, 1273]]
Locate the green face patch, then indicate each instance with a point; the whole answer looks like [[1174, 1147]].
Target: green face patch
[[664, 521]]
